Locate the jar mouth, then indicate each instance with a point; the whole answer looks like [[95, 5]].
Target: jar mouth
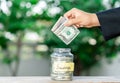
[[62, 49]]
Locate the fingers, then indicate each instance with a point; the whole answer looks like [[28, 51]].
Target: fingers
[[73, 18], [71, 22], [78, 25], [70, 14], [74, 21]]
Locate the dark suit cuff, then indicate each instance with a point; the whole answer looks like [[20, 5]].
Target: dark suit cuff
[[110, 23]]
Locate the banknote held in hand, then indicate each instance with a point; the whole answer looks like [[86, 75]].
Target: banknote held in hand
[[66, 34]]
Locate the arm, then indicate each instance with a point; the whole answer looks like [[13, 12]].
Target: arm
[[110, 23]]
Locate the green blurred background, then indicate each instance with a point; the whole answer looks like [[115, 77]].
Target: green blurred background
[[26, 40]]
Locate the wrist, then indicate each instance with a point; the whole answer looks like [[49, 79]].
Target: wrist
[[94, 20]]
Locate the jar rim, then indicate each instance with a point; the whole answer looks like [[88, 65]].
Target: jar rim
[[62, 49]]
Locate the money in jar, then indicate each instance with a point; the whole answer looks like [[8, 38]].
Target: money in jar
[[62, 65]]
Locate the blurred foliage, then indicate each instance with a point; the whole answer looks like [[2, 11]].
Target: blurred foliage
[[22, 17], [86, 54]]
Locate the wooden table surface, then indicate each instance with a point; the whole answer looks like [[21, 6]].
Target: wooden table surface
[[44, 79]]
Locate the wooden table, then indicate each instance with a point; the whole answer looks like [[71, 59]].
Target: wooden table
[[43, 79]]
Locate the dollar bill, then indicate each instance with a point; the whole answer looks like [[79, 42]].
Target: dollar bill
[[60, 21], [66, 34]]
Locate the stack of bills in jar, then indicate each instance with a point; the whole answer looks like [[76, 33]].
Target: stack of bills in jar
[[66, 34]]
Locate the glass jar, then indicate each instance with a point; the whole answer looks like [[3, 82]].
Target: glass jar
[[62, 65]]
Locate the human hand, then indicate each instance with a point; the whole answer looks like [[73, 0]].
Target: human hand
[[80, 18]]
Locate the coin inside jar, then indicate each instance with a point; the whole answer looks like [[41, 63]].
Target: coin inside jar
[[62, 65]]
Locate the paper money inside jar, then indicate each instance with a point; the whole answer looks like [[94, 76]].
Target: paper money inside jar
[[62, 65]]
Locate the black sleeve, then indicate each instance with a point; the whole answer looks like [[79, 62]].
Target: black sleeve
[[110, 23]]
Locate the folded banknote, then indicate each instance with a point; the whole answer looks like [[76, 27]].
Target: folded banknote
[[66, 34]]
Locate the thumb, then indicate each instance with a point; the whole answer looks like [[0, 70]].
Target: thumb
[[70, 22]]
